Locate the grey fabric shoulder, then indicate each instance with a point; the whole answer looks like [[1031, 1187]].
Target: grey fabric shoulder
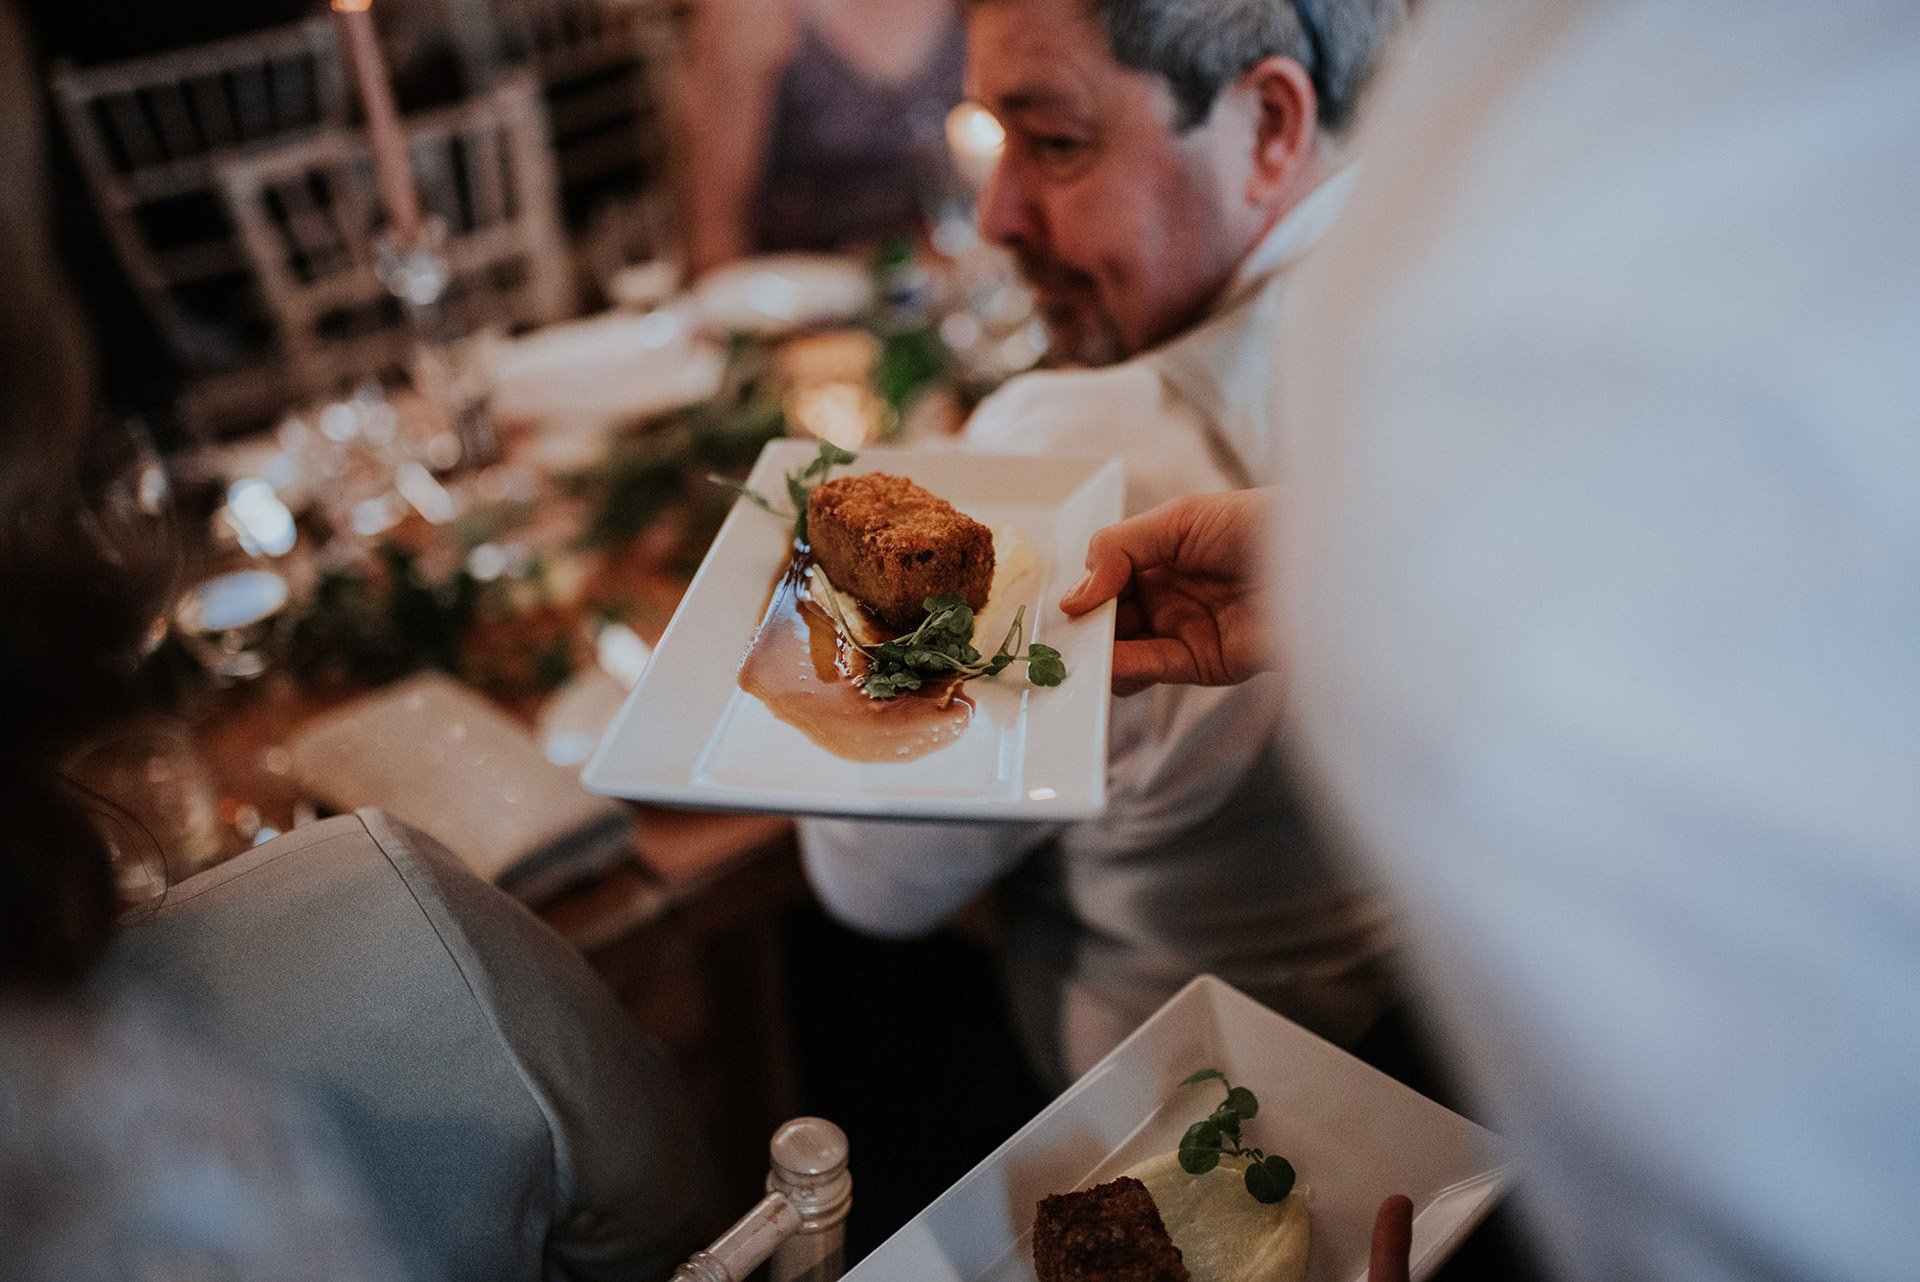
[[631, 1199], [499, 1105], [128, 1152]]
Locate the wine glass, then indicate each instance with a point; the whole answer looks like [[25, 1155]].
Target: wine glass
[[228, 622], [161, 818], [228, 619]]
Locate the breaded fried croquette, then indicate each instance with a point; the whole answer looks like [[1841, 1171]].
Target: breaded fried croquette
[[1111, 1232], [891, 545]]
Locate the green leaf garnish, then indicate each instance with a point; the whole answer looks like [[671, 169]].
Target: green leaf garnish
[[745, 491], [1269, 1177], [1045, 667], [800, 486], [829, 457], [797, 493], [1200, 1148], [941, 644]]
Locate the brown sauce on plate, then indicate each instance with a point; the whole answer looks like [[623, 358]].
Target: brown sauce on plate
[[800, 668]]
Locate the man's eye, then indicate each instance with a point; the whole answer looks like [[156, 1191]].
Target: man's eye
[[1055, 146]]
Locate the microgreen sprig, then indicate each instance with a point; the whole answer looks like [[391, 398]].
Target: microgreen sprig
[[1269, 1177], [941, 645], [800, 486]]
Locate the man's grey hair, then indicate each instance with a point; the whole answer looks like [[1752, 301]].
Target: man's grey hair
[[1202, 46]]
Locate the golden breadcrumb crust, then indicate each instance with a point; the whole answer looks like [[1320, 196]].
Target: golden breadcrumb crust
[[892, 545]]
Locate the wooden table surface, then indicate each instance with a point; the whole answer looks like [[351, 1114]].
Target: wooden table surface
[[677, 854]]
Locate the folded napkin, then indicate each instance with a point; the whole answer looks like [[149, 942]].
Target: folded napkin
[[603, 370], [436, 755], [774, 293]]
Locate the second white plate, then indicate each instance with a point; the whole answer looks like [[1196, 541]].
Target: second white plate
[[690, 736], [1353, 1135]]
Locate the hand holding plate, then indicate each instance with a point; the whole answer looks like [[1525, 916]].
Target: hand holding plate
[[1188, 579]]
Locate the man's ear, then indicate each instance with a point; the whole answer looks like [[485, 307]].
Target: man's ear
[[1286, 125]]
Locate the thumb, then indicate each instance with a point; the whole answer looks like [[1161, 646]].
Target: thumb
[[1108, 571], [1116, 553], [1392, 1241]]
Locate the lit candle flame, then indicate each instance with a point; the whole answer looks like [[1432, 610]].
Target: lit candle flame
[[976, 139]]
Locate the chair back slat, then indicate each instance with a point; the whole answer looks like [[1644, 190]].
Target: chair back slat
[[436, 172], [601, 63], [212, 109], [132, 139], [182, 140], [326, 86], [270, 98], [325, 219], [488, 178]]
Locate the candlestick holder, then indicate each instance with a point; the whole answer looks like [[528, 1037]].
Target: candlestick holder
[[798, 1229], [444, 368]]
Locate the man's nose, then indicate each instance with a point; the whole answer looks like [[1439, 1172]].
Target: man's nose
[[1006, 213]]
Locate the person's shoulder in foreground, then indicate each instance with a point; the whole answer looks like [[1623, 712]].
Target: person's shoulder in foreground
[[128, 1152], [1600, 587], [507, 1116]]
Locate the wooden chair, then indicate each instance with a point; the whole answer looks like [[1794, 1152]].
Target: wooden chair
[[148, 135], [309, 219]]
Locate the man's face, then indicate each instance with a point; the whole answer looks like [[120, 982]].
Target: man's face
[[1125, 228]]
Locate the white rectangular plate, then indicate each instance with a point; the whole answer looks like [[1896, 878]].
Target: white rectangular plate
[[1353, 1135], [690, 736]]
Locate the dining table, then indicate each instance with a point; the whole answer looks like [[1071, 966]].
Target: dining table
[[592, 506]]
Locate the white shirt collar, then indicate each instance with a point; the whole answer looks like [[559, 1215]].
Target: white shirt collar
[[1297, 232], [1223, 366]]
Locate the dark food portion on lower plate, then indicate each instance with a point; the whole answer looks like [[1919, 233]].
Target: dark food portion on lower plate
[[892, 545], [1111, 1232]]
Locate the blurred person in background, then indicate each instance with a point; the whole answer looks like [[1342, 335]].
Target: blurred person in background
[[1596, 563], [798, 123], [1166, 166], [124, 1152], [499, 1108]]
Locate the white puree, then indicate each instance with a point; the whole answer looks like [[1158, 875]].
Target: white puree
[[1016, 574], [1223, 1234]]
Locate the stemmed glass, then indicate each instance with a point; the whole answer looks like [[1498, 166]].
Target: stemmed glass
[[161, 811]]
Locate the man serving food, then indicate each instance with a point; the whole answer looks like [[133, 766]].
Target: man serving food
[[1166, 164]]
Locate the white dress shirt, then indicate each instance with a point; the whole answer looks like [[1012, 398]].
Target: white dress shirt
[[1602, 583], [1201, 860]]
